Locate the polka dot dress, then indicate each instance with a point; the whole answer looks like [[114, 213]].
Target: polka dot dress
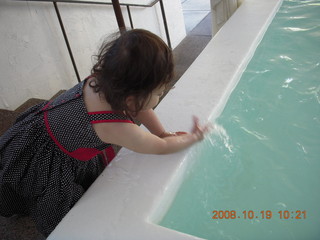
[[50, 157]]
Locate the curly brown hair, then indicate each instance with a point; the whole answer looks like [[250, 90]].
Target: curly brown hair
[[134, 64]]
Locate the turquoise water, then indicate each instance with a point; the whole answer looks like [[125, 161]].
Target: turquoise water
[[264, 156]]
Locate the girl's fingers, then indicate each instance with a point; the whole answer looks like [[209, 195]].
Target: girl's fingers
[[196, 125], [200, 131]]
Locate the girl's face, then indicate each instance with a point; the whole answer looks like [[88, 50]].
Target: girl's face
[[154, 98]]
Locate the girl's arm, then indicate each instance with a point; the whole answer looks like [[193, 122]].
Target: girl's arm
[[136, 139]]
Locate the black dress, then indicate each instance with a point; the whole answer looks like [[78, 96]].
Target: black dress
[[50, 157]]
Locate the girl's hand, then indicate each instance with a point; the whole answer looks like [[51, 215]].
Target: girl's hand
[[199, 131]]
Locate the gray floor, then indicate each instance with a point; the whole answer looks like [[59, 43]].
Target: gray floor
[[192, 45], [194, 11], [22, 228]]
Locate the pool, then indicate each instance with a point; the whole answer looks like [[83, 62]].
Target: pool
[[131, 196], [257, 176]]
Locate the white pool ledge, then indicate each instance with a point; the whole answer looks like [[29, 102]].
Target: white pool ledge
[[132, 194]]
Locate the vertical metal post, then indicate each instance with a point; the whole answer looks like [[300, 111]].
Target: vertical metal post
[[118, 13], [130, 18], [66, 41], [165, 23]]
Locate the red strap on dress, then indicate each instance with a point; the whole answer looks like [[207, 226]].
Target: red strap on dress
[[82, 154]]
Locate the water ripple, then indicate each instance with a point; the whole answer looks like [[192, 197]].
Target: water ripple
[[255, 134], [297, 29]]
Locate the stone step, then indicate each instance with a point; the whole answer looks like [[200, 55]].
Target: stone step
[[8, 117], [27, 104]]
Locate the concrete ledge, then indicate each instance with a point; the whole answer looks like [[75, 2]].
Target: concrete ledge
[[132, 194]]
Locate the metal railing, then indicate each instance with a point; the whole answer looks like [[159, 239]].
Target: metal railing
[[116, 5]]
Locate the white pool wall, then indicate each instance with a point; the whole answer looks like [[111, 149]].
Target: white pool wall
[[135, 191]]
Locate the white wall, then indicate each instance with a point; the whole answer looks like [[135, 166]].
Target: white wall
[[221, 11], [34, 62]]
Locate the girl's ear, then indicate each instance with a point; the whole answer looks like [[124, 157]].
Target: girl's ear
[[130, 102]]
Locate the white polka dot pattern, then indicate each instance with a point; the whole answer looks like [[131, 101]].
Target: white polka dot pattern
[[108, 117], [38, 178]]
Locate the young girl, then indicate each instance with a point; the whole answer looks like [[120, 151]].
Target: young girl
[[56, 149]]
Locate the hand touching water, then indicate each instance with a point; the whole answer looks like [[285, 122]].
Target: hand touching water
[[197, 130], [200, 131]]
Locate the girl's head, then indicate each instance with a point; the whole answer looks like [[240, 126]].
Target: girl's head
[[132, 68]]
